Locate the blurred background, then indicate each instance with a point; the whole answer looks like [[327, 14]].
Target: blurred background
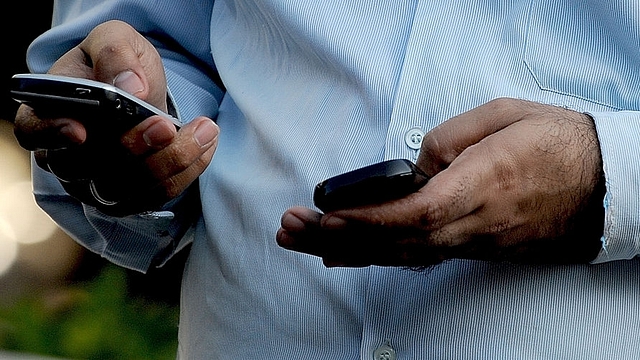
[[58, 301]]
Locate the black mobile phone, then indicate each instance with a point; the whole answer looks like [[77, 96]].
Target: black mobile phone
[[99, 106], [373, 184]]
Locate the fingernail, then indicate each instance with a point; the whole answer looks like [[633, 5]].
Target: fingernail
[[333, 222], [129, 82], [70, 132], [157, 135], [205, 133], [292, 223], [284, 239]]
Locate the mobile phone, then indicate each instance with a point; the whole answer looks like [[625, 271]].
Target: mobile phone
[[99, 106], [373, 184]]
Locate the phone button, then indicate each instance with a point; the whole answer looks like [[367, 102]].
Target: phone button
[[413, 138], [83, 91]]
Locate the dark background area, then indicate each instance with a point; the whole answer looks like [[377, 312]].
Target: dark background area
[[20, 22]]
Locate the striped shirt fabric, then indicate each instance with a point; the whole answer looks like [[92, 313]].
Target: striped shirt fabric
[[317, 88]]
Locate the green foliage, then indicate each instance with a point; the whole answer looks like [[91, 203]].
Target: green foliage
[[93, 320]]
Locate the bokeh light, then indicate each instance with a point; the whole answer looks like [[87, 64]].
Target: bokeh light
[[28, 223], [8, 247], [27, 235]]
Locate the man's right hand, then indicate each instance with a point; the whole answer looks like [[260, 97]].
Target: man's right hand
[[153, 162]]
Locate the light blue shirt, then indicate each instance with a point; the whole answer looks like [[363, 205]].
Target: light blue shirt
[[316, 88]]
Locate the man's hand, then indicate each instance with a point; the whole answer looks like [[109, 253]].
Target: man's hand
[[150, 164], [511, 180]]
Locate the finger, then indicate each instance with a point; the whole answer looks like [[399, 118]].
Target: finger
[[441, 221], [300, 219], [136, 190], [74, 63], [139, 183], [177, 183], [166, 172], [445, 142], [154, 133], [34, 133], [148, 199], [298, 226], [115, 53], [353, 244], [359, 245], [126, 60], [191, 148], [301, 231], [448, 196]]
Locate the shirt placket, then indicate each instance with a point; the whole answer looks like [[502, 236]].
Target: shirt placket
[[422, 99], [417, 108]]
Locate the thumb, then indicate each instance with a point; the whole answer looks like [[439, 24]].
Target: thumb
[[130, 82], [124, 58]]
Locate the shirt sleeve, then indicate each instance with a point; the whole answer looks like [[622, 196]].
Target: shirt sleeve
[[618, 133], [139, 241]]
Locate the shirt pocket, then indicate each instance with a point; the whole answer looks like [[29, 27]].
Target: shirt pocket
[[586, 49]]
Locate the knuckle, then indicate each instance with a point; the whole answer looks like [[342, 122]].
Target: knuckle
[[434, 147], [108, 27], [172, 188], [110, 52], [506, 176], [23, 125], [432, 215], [500, 101], [443, 238], [447, 203], [431, 144], [179, 159], [500, 227], [503, 103]]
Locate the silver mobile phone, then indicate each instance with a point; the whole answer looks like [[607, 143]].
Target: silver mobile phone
[[99, 106]]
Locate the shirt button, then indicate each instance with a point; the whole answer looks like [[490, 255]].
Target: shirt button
[[413, 138], [384, 352]]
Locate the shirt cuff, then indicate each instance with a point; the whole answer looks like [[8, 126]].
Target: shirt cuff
[[137, 242], [619, 136]]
